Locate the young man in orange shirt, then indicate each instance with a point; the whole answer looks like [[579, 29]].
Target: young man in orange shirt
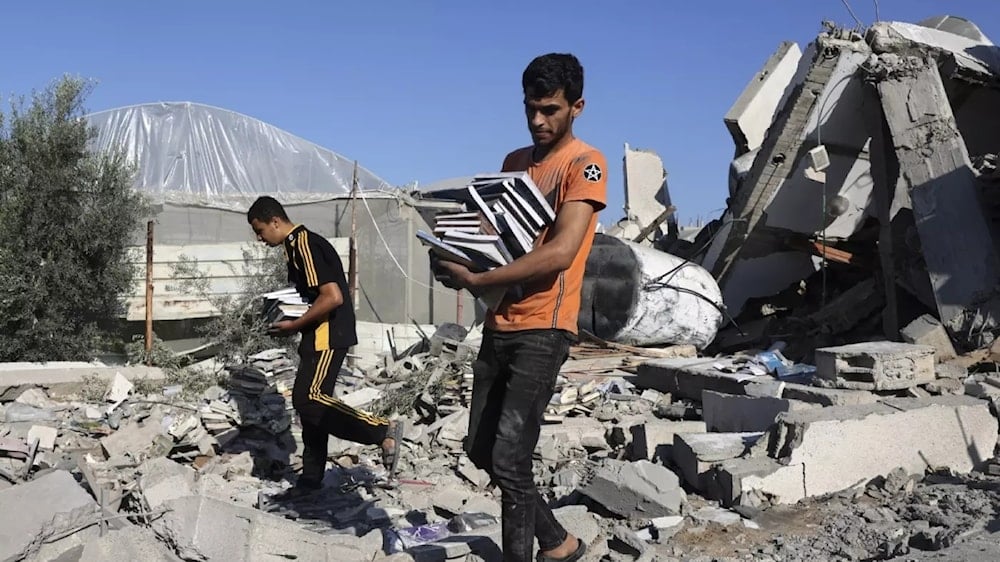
[[526, 342]]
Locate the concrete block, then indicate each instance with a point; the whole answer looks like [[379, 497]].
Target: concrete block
[[639, 490], [162, 479], [876, 365], [130, 543], [828, 396], [654, 439], [42, 508], [743, 481], [841, 446], [735, 413], [689, 377], [46, 436], [694, 454], [928, 330], [207, 529]]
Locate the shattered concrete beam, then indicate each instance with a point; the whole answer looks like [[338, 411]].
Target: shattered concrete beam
[[935, 168], [751, 115], [774, 163]]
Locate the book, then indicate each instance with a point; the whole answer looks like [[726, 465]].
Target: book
[[282, 304], [500, 219]]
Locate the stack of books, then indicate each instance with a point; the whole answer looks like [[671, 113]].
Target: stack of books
[[499, 219], [283, 304]]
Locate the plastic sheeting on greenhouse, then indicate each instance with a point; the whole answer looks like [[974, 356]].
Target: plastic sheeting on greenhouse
[[187, 153]]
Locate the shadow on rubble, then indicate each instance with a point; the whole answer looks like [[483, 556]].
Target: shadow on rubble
[[339, 506]]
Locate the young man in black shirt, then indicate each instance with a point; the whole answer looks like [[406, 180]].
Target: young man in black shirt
[[328, 331]]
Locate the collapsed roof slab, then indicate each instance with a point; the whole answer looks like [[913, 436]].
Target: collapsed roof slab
[[935, 169], [778, 198], [751, 115]]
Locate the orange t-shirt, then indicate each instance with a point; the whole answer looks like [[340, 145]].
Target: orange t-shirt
[[574, 172]]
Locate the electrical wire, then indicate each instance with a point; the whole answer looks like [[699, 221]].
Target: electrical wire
[[385, 243], [853, 15], [877, 16]]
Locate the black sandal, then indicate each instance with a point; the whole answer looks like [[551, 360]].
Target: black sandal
[[390, 457], [581, 549]]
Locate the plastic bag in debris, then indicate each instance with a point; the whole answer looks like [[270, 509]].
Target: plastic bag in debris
[[470, 521], [409, 537], [776, 364], [18, 412]]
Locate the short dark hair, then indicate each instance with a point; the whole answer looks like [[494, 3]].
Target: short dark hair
[[266, 208], [547, 74]]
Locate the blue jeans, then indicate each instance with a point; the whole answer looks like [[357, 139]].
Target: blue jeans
[[514, 378]]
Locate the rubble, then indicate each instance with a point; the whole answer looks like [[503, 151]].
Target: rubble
[[832, 395]]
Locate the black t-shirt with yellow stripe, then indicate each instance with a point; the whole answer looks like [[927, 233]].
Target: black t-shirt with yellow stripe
[[312, 261]]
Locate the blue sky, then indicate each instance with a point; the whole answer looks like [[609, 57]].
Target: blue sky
[[420, 91]]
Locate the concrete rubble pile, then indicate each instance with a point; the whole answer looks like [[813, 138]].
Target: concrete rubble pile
[[852, 415]]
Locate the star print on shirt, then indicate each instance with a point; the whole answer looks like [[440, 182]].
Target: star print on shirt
[[592, 172]]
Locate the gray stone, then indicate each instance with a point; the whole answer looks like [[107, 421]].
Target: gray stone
[[40, 509], [640, 489], [138, 441], [736, 413], [162, 479], [927, 330], [207, 529], [876, 365]]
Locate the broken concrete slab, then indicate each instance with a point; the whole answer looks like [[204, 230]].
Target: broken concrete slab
[[162, 479], [639, 489], [752, 113], [878, 365], [927, 330], [717, 515], [694, 454], [689, 377], [53, 373], [580, 432], [828, 396], [207, 529], [138, 440], [748, 481], [957, 432], [654, 439], [735, 413], [40, 510], [130, 543]]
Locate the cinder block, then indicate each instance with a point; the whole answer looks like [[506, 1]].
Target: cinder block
[[876, 365], [731, 413], [841, 446]]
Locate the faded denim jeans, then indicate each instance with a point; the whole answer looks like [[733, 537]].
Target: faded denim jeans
[[515, 375]]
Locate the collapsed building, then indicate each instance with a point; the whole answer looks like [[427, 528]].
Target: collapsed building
[[859, 210]]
